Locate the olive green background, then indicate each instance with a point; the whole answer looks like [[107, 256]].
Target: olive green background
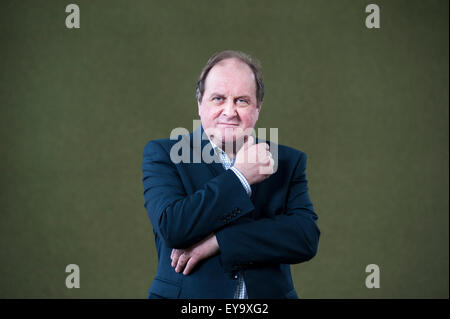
[[368, 106]]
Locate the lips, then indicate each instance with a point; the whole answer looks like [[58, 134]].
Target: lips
[[228, 124]]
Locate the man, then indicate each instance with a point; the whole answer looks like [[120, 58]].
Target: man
[[229, 228]]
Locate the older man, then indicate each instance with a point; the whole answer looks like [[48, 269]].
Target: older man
[[228, 228]]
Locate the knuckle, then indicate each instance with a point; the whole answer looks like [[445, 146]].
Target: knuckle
[[193, 260]]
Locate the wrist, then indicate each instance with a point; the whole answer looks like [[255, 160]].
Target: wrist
[[215, 242], [244, 181]]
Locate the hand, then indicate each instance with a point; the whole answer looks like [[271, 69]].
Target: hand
[[187, 258], [254, 161]]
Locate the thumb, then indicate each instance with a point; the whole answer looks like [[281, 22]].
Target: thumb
[[250, 141]]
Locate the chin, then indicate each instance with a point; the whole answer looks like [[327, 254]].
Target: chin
[[228, 140], [228, 136], [224, 135], [232, 139]]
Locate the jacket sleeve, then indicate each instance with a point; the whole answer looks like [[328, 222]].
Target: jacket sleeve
[[180, 219], [288, 238]]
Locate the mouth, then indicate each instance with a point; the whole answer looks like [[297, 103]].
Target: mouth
[[228, 124]]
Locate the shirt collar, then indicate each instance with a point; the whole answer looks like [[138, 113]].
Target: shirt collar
[[221, 153], [215, 147]]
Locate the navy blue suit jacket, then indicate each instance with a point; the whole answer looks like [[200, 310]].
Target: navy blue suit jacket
[[260, 236]]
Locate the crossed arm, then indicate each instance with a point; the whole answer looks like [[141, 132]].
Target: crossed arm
[[196, 225], [186, 259]]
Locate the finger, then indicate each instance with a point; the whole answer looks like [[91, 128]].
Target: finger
[[263, 157], [260, 151], [263, 151], [267, 168], [265, 171], [181, 262], [272, 165], [263, 146], [176, 255], [250, 141], [190, 265], [266, 161]]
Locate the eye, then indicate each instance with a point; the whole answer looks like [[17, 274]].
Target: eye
[[217, 99], [242, 101]]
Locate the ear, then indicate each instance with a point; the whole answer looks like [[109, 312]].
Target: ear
[[259, 108], [198, 107]]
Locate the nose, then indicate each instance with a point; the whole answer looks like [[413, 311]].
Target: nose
[[229, 109]]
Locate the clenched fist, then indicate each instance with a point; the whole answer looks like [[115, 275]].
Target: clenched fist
[[254, 161]]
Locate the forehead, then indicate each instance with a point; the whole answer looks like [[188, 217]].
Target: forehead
[[231, 76]]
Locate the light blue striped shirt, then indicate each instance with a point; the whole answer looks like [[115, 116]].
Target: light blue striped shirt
[[241, 291]]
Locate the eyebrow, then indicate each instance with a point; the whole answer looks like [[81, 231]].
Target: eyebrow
[[245, 97], [238, 97], [215, 93]]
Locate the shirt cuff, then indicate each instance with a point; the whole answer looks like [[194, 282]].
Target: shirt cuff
[[243, 180]]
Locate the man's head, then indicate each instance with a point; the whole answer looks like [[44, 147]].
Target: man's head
[[230, 92]]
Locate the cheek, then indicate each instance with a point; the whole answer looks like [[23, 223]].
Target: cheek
[[213, 116], [209, 113], [249, 118]]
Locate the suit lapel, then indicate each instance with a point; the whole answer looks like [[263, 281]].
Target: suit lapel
[[199, 141]]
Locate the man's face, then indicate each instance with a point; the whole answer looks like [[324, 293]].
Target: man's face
[[228, 106]]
